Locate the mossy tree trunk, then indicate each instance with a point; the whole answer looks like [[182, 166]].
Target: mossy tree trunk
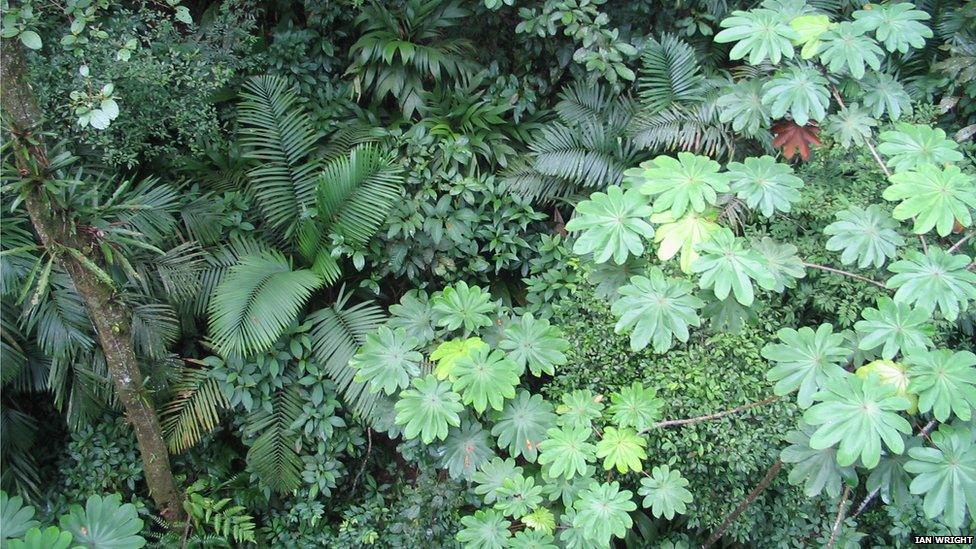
[[110, 319]]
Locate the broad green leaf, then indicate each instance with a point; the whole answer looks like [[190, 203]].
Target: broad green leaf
[[602, 511], [781, 261], [567, 452], [742, 105], [809, 29], [15, 517], [534, 538], [682, 236], [428, 409], [726, 265], [910, 146], [613, 223], [31, 39], [414, 314], [805, 360], [896, 25], [944, 381], [817, 470], [894, 327], [446, 355], [884, 94], [466, 449], [890, 477], [518, 496], [621, 448], [892, 374], [485, 378], [857, 415], [486, 529], [847, 47], [559, 488], [491, 476], [104, 523], [657, 309], [934, 280], [851, 126], [665, 492], [867, 236], [579, 408], [608, 278], [388, 360], [799, 90], [946, 475], [635, 406], [536, 344], [765, 184], [522, 424], [463, 306], [760, 34], [726, 315], [51, 537], [689, 181], [542, 520]]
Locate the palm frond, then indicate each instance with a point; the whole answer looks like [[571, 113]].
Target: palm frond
[[218, 263], [523, 180], [60, 321], [194, 409], [669, 75], [337, 333], [257, 299], [587, 155], [695, 129], [179, 271], [20, 472], [154, 328], [280, 137], [273, 454]]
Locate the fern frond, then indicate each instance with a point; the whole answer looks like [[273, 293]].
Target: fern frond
[[669, 75], [154, 328], [273, 455], [587, 155], [179, 271], [193, 411], [337, 333], [280, 137], [257, 299], [523, 180], [695, 129]]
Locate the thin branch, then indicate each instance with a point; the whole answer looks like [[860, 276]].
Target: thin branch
[[841, 511], [962, 241], [845, 273], [763, 484], [716, 415], [877, 157]]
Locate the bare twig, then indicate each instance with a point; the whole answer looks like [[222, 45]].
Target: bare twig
[[699, 419], [845, 273], [841, 511], [763, 484], [962, 241]]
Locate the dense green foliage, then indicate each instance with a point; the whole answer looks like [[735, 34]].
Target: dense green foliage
[[488, 273]]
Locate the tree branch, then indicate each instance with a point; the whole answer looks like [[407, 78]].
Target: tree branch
[[841, 511], [763, 484], [699, 419], [845, 273]]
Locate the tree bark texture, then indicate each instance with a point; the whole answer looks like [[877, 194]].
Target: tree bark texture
[[110, 319]]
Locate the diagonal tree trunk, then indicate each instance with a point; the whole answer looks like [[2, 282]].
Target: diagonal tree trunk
[[110, 319]]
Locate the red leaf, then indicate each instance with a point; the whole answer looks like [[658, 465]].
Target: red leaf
[[792, 138]]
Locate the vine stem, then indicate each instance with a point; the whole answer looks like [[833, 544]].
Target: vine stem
[[699, 419], [845, 273], [763, 484], [962, 241], [924, 433], [841, 511]]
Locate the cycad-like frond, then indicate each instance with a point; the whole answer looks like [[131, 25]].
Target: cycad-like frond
[[357, 192], [179, 271], [60, 321], [525, 181], [669, 75], [154, 328], [279, 136], [696, 129], [337, 332], [589, 155], [20, 472], [218, 263], [194, 409], [258, 298], [273, 454], [148, 208]]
